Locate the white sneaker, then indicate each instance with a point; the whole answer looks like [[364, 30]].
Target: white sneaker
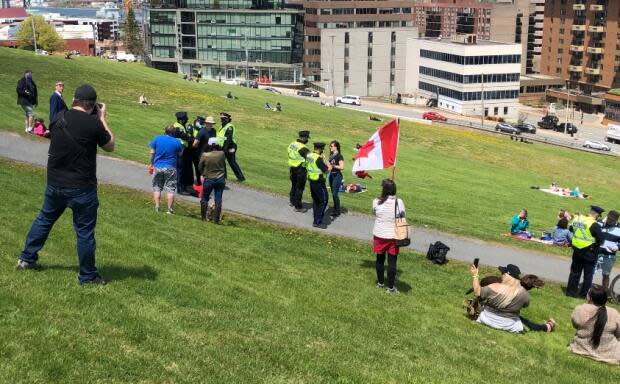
[[29, 131]]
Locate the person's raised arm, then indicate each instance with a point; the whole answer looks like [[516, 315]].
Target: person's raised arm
[[476, 282], [101, 112]]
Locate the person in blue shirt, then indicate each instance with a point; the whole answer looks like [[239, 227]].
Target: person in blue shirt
[[519, 223], [165, 153], [561, 235]]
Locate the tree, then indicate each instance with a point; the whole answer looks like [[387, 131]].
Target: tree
[[46, 35], [131, 36]]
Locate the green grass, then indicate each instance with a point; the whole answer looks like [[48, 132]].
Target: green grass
[[452, 180], [247, 302]]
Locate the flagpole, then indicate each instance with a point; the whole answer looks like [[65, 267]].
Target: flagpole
[[394, 166], [394, 173]]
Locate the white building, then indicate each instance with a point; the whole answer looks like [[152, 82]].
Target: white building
[[364, 61], [455, 72]]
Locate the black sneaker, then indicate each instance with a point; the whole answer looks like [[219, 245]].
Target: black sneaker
[[302, 210], [23, 265], [96, 281], [203, 211], [321, 226]]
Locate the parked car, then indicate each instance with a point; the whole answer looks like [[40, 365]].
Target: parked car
[[507, 128], [123, 56], [433, 116], [308, 92], [349, 99], [548, 122], [526, 127], [248, 83], [592, 144], [42, 52], [272, 90], [566, 128], [231, 81]]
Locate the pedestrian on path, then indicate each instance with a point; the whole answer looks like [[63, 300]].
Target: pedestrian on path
[[27, 98], [57, 103], [316, 175], [297, 154], [587, 236], [226, 140], [72, 181], [166, 152], [212, 167], [336, 161], [609, 246], [386, 208]]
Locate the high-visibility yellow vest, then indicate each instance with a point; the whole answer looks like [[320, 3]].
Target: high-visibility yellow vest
[[220, 135], [294, 158], [182, 128], [582, 237], [314, 172]]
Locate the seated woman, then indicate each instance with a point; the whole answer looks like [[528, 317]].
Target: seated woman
[[143, 100], [561, 235], [520, 224], [598, 328], [39, 128], [502, 302], [278, 107], [267, 107]]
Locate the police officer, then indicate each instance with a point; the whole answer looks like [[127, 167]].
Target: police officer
[[226, 140], [195, 153], [317, 168], [297, 153], [184, 171], [587, 235]]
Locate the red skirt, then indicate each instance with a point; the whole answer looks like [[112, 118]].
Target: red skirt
[[379, 246]]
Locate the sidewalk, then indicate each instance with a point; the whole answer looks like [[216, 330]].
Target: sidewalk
[[275, 209]]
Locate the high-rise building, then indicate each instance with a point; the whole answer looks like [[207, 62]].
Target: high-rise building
[[580, 44], [327, 14], [226, 39]]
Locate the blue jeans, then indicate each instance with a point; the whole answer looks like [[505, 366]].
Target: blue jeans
[[84, 203], [335, 181], [216, 185]]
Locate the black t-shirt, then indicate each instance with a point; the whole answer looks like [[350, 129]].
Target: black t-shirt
[[334, 160], [72, 161], [203, 137]]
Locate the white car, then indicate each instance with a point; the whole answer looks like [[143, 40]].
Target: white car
[[591, 144], [349, 99]]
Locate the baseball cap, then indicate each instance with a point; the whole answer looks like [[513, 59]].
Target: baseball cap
[[85, 93], [510, 269]]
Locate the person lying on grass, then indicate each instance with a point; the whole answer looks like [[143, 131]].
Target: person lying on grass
[[598, 328], [502, 302], [519, 224]]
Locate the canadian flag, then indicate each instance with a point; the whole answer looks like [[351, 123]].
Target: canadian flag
[[380, 151]]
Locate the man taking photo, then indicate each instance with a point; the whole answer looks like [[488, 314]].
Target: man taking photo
[[72, 181]]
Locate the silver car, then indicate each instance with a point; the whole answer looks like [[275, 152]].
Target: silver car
[[592, 144]]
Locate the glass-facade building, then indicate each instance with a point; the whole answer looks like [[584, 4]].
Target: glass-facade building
[[226, 39]]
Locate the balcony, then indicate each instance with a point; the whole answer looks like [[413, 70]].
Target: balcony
[[538, 49], [576, 48], [596, 28], [579, 7], [595, 7], [593, 71], [579, 28], [595, 50], [575, 68], [538, 33], [538, 41]]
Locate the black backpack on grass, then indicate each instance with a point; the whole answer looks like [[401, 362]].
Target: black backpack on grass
[[437, 252]]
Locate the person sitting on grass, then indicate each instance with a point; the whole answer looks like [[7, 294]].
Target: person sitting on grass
[[598, 328], [40, 129], [561, 235], [520, 224], [502, 301], [278, 107], [143, 100], [267, 107]]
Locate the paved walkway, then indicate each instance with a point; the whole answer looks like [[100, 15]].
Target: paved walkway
[[275, 208]]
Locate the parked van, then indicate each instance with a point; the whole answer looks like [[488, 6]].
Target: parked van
[[349, 99], [613, 133]]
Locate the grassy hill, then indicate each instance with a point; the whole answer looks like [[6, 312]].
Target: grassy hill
[[462, 182], [233, 304]]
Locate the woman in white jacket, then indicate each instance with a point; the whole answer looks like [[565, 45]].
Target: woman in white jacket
[[386, 208]]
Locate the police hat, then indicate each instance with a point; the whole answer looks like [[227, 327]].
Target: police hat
[[319, 145], [224, 114], [181, 115], [200, 119], [597, 209], [304, 134]]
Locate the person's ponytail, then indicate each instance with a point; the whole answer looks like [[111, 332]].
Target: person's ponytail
[[598, 297]]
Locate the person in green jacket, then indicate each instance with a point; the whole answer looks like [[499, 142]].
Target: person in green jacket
[[519, 223]]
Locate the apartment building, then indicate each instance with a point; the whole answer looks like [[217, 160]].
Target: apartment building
[[364, 61], [465, 75], [226, 39], [347, 14], [581, 45]]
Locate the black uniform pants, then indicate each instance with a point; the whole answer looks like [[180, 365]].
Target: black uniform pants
[[187, 173], [318, 190], [380, 266], [231, 157], [584, 261], [298, 177], [195, 160]]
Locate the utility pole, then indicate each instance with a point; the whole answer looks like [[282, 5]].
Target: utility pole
[[219, 67], [482, 102], [567, 103], [247, 58], [34, 35], [332, 73]]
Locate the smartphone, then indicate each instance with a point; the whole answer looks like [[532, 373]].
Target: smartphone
[[96, 109], [476, 261]]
